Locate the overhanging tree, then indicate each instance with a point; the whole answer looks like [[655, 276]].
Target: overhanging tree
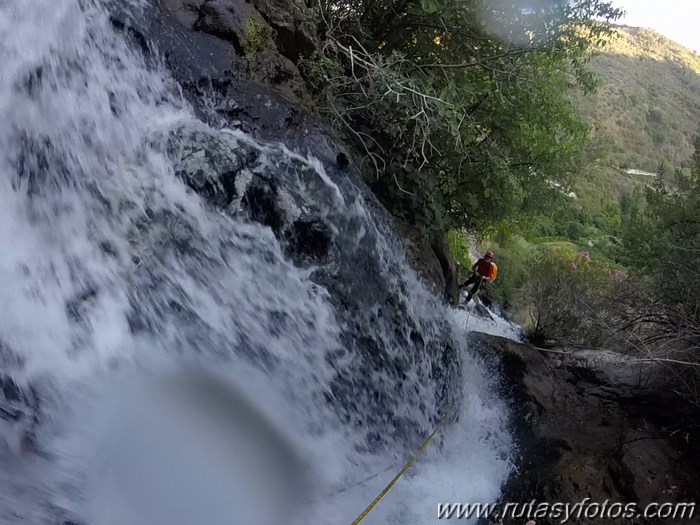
[[459, 107]]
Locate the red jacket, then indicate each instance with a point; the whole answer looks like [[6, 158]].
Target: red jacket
[[484, 268]]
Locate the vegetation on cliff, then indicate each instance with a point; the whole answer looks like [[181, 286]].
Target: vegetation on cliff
[[642, 296], [460, 108]]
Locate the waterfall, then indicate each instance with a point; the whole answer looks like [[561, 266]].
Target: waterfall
[[122, 287]]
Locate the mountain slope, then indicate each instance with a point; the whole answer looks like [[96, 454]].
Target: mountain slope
[[648, 107]]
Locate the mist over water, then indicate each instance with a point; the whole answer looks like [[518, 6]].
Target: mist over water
[[121, 290]]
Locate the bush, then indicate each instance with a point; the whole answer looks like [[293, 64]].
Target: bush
[[255, 38], [574, 230], [513, 257], [569, 297], [655, 115]]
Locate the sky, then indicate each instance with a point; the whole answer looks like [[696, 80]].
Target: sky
[[678, 20]]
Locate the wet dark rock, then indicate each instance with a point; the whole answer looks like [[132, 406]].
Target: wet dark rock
[[315, 228], [441, 249], [19, 406], [295, 34], [246, 29], [585, 433], [108, 249], [228, 20], [190, 56], [187, 12], [309, 240], [210, 165], [32, 158], [269, 67], [422, 256], [260, 202], [342, 160], [9, 389], [121, 23]]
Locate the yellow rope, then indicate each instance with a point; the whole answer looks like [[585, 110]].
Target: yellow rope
[[406, 468]]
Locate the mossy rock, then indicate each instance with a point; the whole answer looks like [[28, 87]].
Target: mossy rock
[[256, 37]]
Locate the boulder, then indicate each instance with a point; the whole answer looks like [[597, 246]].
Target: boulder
[[231, 21], [295, 33], [582, 435], [309, 239], [210, 164], [187, 12]]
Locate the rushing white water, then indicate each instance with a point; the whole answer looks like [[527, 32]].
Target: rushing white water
[[114, 276], [466, 319]]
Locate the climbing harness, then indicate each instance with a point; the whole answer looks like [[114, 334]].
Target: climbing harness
[[405, 469]]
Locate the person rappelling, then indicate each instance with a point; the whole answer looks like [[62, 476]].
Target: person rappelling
[[484, 270]]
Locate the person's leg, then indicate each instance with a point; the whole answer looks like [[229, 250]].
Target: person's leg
[[475, 288], [465, 284], [469, 281], [477, 285]]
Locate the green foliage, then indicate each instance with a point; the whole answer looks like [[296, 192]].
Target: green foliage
[[255, 37], [459, 107], [575, 230], [664, 242], [459, 248], [593, 219], [514, 257], [569, 295], [662, 245]]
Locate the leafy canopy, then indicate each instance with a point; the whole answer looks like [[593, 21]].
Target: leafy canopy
[[459, 107]]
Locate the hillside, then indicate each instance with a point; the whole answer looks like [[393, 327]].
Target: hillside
[[647, 109]]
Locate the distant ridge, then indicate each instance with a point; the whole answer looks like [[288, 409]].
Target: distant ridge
[[639, 41], [648, 106]]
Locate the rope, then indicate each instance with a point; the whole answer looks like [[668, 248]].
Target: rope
[[363, 481], [469, 316], [469, 313], [403, 471]]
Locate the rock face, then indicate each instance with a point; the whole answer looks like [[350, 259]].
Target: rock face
[[269, 36], [432, 259], [284, 33], [325, 231], [204, 45], [582, 433]]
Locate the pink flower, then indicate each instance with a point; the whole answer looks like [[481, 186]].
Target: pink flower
[[585, 255], [573, 266]]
